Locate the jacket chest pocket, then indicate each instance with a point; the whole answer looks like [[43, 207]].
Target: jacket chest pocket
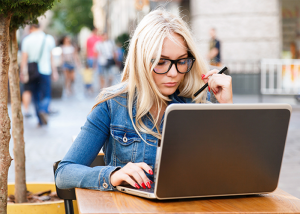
[[125, 144]]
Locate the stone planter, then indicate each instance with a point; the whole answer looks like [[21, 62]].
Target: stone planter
[[52, 207]]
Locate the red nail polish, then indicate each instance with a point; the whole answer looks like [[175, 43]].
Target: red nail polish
[[150, 172], [208, 88], [148, 185], [151, 182], [202, 76], [136, 185], [214, 92], [143, 185]]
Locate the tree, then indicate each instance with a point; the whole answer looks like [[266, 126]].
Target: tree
[[5, 158], [14, 14], [71, 15]]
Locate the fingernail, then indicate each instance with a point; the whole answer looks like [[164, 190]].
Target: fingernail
[[214, 92], [208, 88], [136, 185], [151, 182], [202, 76], [148, 185], [150, 172], [143, 185]]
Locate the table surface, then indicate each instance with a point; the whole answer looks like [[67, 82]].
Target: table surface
[[94, 202]]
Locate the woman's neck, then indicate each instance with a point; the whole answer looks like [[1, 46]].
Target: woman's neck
[[154, 112]]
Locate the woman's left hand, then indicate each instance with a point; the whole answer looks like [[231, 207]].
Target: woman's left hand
[[220, 85]]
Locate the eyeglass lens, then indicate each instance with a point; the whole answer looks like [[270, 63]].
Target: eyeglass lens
[[183, 65]]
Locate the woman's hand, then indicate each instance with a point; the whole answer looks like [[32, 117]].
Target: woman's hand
[[220, 85], [132, 173]]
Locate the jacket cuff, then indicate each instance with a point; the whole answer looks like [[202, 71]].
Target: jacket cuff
[[104, 181]]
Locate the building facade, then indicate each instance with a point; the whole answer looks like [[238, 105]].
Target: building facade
[[249, 31]]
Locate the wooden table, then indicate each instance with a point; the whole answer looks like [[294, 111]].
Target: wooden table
[[94, 202]]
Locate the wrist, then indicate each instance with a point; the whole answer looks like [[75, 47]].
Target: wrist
[[111, 179]]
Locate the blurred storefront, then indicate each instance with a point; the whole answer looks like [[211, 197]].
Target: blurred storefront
[[291, 29], [249, 31], [122, 16]]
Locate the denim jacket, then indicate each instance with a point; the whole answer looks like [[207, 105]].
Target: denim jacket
[[109, 127]]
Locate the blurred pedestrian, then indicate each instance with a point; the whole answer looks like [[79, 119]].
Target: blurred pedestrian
[[105, 53], [90, 44], [120, 56], [26, 94], [69, 60], [214, 54], [37, 47], [26, 100], [88, 74]]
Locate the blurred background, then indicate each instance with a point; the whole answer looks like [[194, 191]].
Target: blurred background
[[258, 40]]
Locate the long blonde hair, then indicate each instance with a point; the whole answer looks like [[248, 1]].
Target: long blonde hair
[[145, 45]]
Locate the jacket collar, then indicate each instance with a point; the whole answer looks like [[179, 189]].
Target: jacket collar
[[174, 99]]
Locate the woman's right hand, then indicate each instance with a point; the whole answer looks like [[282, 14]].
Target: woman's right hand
[[132, 173]]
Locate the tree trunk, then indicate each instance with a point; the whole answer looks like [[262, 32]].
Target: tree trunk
[[5, 158], [17, 121]]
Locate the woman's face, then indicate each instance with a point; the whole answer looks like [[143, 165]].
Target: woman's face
[[67, 41], [168, 83]]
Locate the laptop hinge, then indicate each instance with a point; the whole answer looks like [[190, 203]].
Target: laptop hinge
[[158, 143]]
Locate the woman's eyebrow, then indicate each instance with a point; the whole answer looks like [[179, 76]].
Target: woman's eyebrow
[[177, 57]]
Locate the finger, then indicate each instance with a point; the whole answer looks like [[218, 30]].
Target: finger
[[219, 82], [138, 168], [145, 167], [129, 180], [213, 85], [136, 173], [210, 73]]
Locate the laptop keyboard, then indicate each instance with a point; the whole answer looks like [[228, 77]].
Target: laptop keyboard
[[144, 190]]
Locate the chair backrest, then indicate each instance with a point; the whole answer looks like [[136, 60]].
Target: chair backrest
[[69, 194]]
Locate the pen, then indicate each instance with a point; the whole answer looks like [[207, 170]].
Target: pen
[[203, 87]]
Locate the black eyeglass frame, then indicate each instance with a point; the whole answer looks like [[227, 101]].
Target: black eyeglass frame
[[175, 62]]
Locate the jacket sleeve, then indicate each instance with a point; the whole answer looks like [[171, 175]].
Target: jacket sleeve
[[74, 171], [211, 97]]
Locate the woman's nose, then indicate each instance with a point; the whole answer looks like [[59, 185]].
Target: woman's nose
[[173, 71]]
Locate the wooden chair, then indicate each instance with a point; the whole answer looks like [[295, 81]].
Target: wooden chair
[[68, 195]]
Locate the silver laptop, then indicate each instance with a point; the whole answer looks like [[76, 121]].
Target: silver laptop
[[219, 150]]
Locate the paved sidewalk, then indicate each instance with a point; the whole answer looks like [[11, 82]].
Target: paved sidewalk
[[48, 144]]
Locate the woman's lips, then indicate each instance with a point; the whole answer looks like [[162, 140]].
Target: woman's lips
[[170, 84]]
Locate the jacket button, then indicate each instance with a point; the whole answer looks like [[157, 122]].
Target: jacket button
[[125, 139], [105, 185]]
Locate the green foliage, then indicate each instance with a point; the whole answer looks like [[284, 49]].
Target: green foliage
[[24, 11], [123, 39], [71, 15]]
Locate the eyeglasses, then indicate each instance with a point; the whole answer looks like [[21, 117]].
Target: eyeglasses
[[182, 65]]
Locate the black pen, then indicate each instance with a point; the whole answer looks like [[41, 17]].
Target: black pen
[[203, 87]]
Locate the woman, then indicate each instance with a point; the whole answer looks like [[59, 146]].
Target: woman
[[162, 67], [69, 59]]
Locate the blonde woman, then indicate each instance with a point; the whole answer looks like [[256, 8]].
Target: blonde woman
[[162, 67]]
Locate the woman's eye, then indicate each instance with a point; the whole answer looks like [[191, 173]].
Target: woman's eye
[[182, 62], [161, 62]]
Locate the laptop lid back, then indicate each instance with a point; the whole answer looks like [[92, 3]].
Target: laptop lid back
[[221, 149]]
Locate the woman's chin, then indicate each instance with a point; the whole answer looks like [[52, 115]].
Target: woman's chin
[[168, 91]]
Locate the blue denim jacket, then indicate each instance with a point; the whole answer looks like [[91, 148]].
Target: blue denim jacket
[[108, 126]]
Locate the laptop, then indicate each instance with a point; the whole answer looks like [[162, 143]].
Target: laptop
[[219, 150]]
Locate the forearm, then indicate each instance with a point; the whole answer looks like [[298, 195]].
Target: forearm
[[73, 170], [24, 62], [71, 175], [77, 59], [54, 69], [213, 53]]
